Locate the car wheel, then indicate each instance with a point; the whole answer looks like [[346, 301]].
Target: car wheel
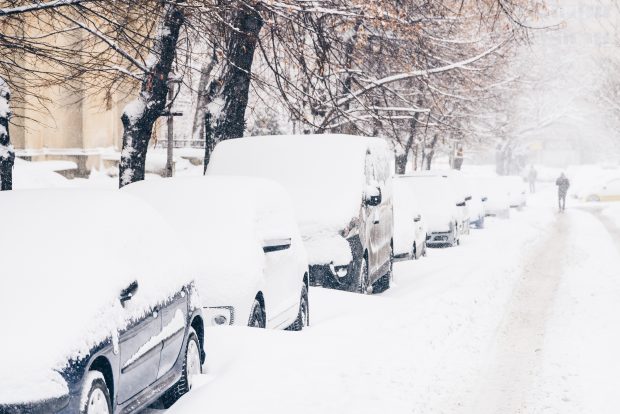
[[363, 282], [257, 316], [192, 366], [383, 283], [303, 317], [95, 395], [414, 253]]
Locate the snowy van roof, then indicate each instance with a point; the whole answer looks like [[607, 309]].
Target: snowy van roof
[[223, 221], [66, 255], [324, 174]]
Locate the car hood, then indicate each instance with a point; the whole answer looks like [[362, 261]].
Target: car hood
[[31, 385], [325, 248]]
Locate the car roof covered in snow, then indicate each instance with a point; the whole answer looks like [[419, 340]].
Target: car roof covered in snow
[[324, 174], [66, 256]]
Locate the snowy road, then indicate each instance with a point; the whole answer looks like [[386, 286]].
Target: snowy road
[[522, 318]]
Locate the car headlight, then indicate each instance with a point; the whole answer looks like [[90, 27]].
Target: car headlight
[[219, 315]]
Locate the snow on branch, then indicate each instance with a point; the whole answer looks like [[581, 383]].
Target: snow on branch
[[37, 6]]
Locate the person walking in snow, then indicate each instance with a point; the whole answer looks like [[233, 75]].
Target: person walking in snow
[[563, 185], [531, 178]]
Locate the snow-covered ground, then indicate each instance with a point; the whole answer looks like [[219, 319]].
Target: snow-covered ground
[[522, 318]]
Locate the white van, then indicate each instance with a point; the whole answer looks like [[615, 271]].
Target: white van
[[341, 188]]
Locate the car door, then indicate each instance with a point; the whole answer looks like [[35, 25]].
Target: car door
[[373, 220], [282, 277], [140, 351], [174, 322]]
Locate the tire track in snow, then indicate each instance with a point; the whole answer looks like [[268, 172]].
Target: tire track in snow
[[517, 354]]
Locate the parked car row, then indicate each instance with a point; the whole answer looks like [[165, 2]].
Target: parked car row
[[118, 286]]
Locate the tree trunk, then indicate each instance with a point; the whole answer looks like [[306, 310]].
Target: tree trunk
[[198, 126], [431, 153], [141, 114], [7, 153], [228, 92], [401, 160]]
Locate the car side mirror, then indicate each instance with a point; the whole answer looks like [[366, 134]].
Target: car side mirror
[[417, 218], [461, 204], [372, 197], [468, 198], [275, 245], [484, 199], [128, 293]]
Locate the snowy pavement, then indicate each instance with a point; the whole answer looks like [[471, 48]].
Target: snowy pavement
[[521, 318]]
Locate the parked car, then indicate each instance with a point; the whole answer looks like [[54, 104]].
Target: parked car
[[439, 208], [409, 223], [254, 268], [497, 196], [477, 203], [609, 191], [460, 191], [341, 189], [97, 315], [517, 190]]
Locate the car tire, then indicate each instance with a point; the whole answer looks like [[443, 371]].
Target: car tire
[[303, 317], [363, 282], [414, 252], [95, 395], [258, 319], [192, 365], [384, 282]]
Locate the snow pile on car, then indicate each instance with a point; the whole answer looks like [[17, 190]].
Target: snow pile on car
[[66, 256]]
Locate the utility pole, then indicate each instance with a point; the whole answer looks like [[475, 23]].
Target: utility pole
[[170, 123]]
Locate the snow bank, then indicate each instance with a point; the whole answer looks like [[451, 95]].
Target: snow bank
[[67, 254], [612, 212], [32, 175]]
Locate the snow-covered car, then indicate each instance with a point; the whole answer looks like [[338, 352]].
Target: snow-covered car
[[610, 191], [461, 194], [341, 187], [439, 208], [517, 189], [253, 264], [409, 223], [97, 315], [497, 196], [477, 203]]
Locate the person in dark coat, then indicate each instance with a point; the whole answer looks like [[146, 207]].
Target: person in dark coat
[[563, 185]]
